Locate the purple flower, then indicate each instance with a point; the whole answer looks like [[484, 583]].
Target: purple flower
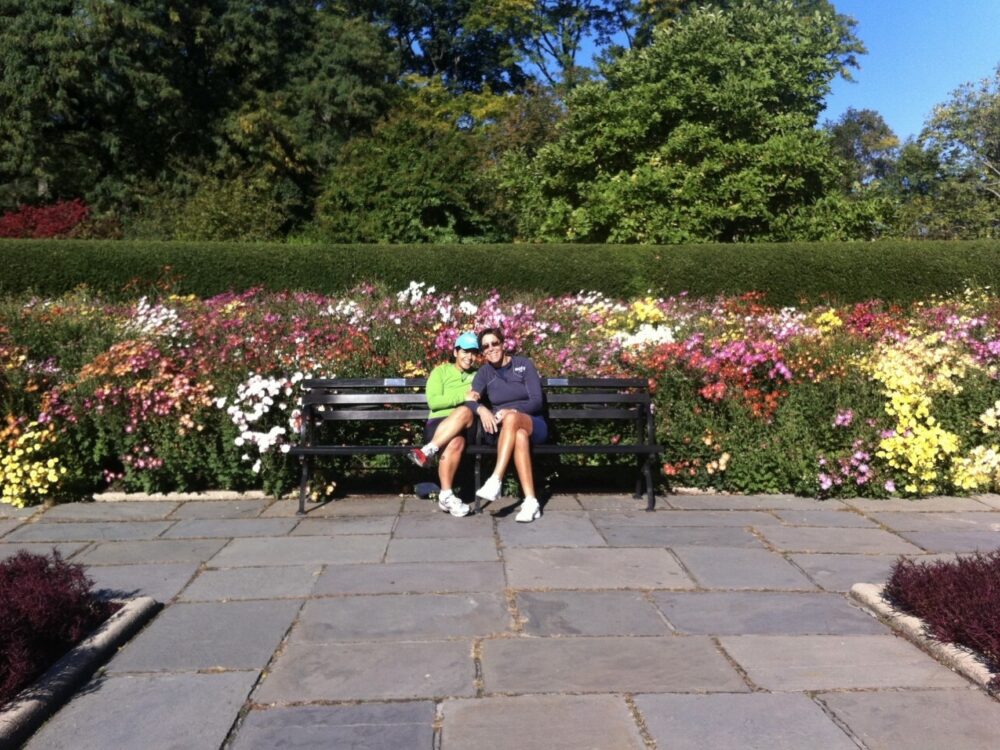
[[843, 418], [825, 482], [890, 486]]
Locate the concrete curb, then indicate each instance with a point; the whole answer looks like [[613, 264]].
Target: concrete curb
[[961, 660], [37, 702], [121, 497]]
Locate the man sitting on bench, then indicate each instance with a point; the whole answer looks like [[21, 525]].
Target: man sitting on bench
[[452, 414]]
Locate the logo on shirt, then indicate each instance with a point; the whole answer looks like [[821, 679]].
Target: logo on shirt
[[519, 369]]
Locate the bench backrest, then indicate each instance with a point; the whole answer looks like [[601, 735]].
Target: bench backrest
[[403, 399]]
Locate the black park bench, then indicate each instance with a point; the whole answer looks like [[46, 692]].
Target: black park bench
[[325, 402]]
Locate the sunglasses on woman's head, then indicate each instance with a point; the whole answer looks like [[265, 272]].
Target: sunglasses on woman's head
[[491, 344]]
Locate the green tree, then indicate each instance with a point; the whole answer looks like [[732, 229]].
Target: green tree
[[109, 101], [708, 134], [866, 146]]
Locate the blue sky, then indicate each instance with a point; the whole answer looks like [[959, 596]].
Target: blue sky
[[919, 51]]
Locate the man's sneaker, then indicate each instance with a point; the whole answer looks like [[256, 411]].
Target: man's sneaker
[[529, 511], [451, 503], [490, 490], [420, 458]]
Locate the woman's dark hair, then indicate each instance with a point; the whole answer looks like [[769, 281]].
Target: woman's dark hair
[[486, 332]]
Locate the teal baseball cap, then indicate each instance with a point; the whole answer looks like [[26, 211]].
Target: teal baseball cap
[[467, 341]]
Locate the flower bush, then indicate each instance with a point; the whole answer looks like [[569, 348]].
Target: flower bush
[[179, 393]]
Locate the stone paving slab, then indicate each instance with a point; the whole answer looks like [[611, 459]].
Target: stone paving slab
[[993, 501], [207, 528], [840, 572], [615, 502], [540, 722], [153, 510], [829, 518], [344, 525], [462, 549], [285, 582], [734, 568], [663, 517], [750, 502], [919, 720], [215, 635], [162, 581], [963, 521], [370, 726], [410, 578], [97, 531], [759, 721], [560, 530], [351, 506], [10, 511], [603, 665], [923, 505], [221, 509], [41, 548], [151, 711], [7, 526], [594, 568], [850, 541], [301, 550], [950, 541], [764, 613], [442, 526], [673, 536], [369, 671], [410, 617], [829, 662], [548, 613], [152, 551]]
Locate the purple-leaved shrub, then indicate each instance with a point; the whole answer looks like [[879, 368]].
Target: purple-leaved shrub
[[46, 607], [959, 600]]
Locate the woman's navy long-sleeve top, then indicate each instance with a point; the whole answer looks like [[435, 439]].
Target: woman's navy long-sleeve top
[[516, 386]]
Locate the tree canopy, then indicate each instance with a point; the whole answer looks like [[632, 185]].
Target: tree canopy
[[474, 120]]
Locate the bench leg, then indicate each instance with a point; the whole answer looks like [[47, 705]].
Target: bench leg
[[478, 476], [651, 497], [303, 485]]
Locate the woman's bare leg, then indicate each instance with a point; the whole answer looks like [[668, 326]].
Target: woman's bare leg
[[451, 457], [451, 426], [522, 462], [511, 425]]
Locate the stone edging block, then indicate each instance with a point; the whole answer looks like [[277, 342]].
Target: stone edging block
[[962, 660], [180, 497], [38, 701]]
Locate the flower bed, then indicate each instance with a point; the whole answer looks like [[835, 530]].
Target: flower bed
[[179, 393]]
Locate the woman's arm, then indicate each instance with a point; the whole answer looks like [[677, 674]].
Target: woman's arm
[[533, 384], [436, 398]]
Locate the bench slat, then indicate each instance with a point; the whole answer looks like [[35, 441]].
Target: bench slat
[[378, 399]]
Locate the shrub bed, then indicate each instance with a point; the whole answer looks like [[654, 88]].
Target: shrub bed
[[784, 273], [46, 608], [183, 393], [959, 600]]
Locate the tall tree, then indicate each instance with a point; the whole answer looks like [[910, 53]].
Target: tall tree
[[447, 39], [865, 144], [707, 134]]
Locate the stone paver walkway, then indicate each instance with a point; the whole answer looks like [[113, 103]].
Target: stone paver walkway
[[384, 624]]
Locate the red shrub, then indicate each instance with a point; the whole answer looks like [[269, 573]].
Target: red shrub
[[44, 222], [959, 600], [46, 607]]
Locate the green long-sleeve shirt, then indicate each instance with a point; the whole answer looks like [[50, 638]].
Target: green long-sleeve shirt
[[446, 388]]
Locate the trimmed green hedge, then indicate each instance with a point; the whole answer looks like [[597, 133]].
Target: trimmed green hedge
[[845, 272]]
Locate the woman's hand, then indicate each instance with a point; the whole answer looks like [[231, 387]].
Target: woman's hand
[[472, 396], [486, 417]]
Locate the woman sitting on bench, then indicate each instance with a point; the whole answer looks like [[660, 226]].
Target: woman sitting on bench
[[511, 386], [451, 415]]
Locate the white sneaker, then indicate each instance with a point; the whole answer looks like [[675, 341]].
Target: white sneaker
[[449, 502], [529, 511], [490, 490]]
